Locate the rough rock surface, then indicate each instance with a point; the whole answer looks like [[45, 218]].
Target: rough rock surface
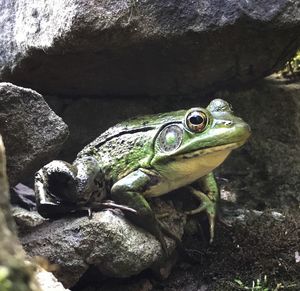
[[265, 172], [148, 47], [25, 219], [247, 244], [108, 241], [32, 133]]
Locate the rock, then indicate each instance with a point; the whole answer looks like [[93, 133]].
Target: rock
[[232, 215], [107, 240], [32, 133], [265, 172], [144, 47], [47, 281], [23, 196], [25, 219], [14, 273]]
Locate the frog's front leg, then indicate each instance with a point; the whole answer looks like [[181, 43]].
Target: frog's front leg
[[209, 199], [129, 191]]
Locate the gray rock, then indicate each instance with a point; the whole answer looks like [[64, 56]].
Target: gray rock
[[32, 133], [265, 172], [108, 241], [25, 219], [146, 47], [47, 281], [233, 215]]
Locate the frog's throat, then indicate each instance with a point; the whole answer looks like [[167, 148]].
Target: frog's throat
[[207, 151]]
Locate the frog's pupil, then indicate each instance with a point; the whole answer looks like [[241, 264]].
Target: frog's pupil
[[196, 119]]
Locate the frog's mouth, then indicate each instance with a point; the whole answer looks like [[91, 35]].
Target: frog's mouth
[[210, 150]]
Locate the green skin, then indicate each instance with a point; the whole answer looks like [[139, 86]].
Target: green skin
[[145, 157]]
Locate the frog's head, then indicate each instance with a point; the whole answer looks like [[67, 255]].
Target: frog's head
[[199, 134]]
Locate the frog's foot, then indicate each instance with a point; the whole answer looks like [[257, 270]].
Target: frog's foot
[[48, 181], [209, 205], [61, 187]]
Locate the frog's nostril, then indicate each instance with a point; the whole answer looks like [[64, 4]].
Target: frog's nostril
[[227, 122]]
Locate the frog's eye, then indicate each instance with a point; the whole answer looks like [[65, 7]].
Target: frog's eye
[[196, 120], [170, 138]]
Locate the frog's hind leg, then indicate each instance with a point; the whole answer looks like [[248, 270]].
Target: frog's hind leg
[[52, 184], [61, 187], [128, 191], [209, 200]]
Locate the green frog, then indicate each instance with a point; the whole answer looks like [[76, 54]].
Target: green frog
[[146, 157]]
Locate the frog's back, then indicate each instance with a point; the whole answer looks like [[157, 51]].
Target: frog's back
[[134, 125], [121, 149]]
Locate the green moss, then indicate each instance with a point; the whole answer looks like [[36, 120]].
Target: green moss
[[292, 68]]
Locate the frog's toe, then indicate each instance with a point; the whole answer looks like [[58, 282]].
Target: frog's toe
[[209, 206]]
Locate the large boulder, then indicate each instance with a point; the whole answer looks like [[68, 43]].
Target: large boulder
[[32, 132], [107, 241], [147, 47]]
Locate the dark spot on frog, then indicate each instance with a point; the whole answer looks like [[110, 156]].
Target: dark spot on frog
[[166, 161], [34, 13], [190, 156], [99, 183], [153, 180]]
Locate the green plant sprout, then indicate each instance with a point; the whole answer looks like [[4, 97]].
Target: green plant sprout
[[258, 285]]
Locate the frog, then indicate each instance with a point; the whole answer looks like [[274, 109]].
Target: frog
[[145, 157]]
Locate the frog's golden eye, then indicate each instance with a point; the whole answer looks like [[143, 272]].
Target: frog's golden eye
[[196, 120]]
